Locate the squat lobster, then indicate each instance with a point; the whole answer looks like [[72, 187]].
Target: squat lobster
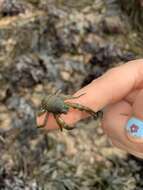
[[56, 105]]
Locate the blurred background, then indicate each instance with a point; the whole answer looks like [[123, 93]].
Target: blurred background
[[47, 45]]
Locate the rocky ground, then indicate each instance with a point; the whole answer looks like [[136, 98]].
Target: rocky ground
[[47, 45]]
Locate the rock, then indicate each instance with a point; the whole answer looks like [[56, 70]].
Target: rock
[[19, 34], [23, 112], [27, 70], [113, 25], [12, 7]]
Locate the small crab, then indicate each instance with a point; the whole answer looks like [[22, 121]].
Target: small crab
[[56, 105]]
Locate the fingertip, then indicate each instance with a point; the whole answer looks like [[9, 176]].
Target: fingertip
[[50, 125], [115, 118]]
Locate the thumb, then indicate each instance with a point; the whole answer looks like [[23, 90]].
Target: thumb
[[137, 111], [138, 106]]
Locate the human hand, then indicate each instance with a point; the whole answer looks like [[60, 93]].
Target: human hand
[[120, 92]]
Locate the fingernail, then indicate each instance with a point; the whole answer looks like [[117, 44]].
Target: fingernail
[[134, 130]]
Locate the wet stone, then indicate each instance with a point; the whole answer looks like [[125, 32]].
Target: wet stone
[[12, 7], [27, 71], [20, 34], [33, 69], [113, 25], [23, 117], [108, 54]]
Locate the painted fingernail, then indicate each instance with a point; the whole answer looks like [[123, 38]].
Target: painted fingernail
[[134, 130]]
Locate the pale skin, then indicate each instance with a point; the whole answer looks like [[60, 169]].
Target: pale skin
[[120, 92]]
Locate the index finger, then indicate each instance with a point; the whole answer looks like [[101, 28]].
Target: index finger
[[113, 86]]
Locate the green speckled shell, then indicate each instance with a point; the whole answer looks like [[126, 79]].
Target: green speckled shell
[[55, 104]]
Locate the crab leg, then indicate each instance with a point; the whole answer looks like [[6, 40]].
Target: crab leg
[[68, 97], [62, 124], [84, 108], [2, 140], [45, 121]]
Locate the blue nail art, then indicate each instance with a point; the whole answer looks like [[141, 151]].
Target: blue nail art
[[134, 127]]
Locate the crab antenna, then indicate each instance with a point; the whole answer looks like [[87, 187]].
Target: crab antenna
[[58, 91]]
